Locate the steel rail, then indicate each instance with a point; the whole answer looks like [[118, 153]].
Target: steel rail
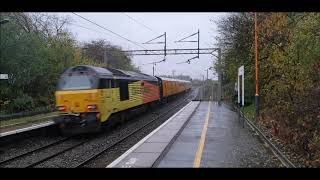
[[58, 153], [35, 150]]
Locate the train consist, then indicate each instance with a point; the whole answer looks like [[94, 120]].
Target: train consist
[[88, 96]]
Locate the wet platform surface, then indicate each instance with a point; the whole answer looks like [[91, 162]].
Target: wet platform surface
[[212, 137], [148, 150]]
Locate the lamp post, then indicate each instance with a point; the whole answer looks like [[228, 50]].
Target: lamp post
[[153, 69], [202, 91], [219, 76], [256, 56], [207, 72], [206, 82], [207, 86]]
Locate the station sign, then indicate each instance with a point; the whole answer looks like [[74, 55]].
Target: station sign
[[4, 76], [241, 74], [241, 71]]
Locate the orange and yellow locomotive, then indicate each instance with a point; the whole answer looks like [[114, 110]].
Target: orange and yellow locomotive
[[87, 96]]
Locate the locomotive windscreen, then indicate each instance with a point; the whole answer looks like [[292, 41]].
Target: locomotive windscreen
[[77, 82]]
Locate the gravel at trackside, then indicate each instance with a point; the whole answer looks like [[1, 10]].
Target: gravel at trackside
[[296, 159], [25, 145]]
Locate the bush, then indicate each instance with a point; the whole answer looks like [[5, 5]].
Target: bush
[[21, 103]]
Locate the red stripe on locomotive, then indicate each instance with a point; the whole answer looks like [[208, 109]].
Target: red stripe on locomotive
[[150, 92]]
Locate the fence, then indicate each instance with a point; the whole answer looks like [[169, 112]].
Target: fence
[[23, 114]]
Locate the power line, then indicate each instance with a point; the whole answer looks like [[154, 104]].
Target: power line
[[139, 22], [87, 28], [108, 30]]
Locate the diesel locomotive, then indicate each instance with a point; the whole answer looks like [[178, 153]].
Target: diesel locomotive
[[89, 96]]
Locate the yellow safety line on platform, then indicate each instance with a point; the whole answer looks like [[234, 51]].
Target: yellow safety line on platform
[[197, 160]]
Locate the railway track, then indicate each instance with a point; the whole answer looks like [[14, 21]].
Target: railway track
[[91, 158], [58, 153], [45, 148], [283, 158], [72, 145], [33, 151]]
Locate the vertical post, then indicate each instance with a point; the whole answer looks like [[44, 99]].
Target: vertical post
[[243, 118], [238, 89], [207, 85], [242, 100], [212, 91], [238, 104], [207, 73], [153, 69], [242, 97], [105, 57], [219, 75], [198, 42], [165, 45], [202, 87], [212, 68], [256, 55]]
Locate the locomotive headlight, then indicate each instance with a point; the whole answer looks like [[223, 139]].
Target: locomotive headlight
[[92, 107], [61, 108]]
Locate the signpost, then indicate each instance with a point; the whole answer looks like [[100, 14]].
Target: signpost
[[241, 99], [4, 76], [241, 73]]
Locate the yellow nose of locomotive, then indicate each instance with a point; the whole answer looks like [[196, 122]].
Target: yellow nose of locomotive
[[79, 101]]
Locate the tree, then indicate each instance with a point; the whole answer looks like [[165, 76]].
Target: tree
[[35, 49], [112, 56], [289, 78], [236, 41]]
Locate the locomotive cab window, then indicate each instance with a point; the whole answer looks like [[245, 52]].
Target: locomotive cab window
[[114, 83], [104, 83], [77, 82]]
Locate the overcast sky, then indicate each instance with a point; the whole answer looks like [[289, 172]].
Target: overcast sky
[[147, 27]]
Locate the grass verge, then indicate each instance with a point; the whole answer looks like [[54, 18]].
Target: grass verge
[[249, 111], [25, 120]]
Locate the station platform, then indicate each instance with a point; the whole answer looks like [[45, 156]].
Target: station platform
[[11, 130], [202, 134], [148, 150]]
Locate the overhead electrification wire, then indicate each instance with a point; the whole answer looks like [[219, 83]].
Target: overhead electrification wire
[[139, 23], [108, 30], [87, 28]]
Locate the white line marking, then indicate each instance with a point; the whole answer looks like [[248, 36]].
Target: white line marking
[[26, 129]]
